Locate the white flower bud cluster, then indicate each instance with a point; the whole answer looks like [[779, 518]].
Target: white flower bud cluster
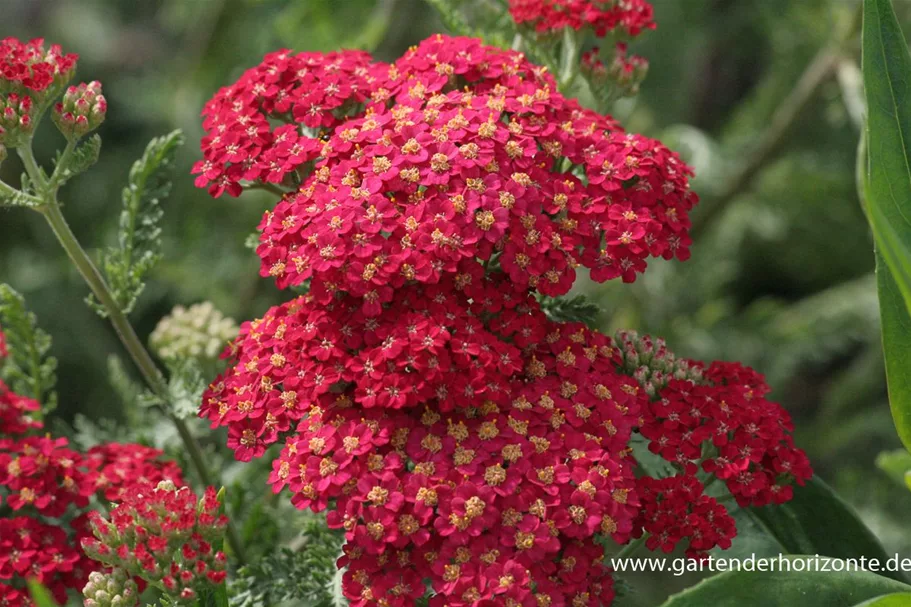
[[114, 589], [200, 331]]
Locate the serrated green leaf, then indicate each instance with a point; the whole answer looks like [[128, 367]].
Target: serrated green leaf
[[817, 521], [123, 385], [139, 239], [16, 198], [29, 369], [184, 390], [570, 309], [83, 157], [40, 595], [305, 576], [886, 190], [787, 588]]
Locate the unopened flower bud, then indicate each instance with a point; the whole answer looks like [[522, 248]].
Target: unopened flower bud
[[622, 74], [200, 331], [111, 589], [651, 363], [16, 121], [81, 111]]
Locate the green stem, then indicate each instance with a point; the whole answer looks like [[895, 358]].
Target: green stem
[[631, 548], [131, 342], [268, 187], [31, 165]]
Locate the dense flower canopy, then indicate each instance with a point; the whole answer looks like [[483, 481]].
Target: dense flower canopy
[[461, 154], [463, 440]]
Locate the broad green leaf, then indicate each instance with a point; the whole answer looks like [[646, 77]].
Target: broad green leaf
[[139, 240], [899, 599], [896, 330], [887, 193], [788, 588], [40, 594], [29, 369], [817, 521]]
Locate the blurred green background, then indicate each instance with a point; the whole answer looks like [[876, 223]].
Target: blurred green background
[[780, 277]]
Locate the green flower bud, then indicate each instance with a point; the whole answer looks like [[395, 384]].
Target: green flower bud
[[111, 589]]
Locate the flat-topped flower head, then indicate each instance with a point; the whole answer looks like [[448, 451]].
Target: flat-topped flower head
[[305, 93], [45, 489], [29, 67], [30, 76], [479, 159]]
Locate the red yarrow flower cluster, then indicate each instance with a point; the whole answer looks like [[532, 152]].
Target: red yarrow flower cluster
[[16, 413], [753, 450], [463, 441], [30, 548], [29, 67], [47, 487], [484, 459], [29, 76], [307, 93], [603, 16], [81, 111], [471, 175], [163, 534], [461, 153], [676, 508]]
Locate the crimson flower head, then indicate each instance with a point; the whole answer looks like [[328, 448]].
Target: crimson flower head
[[603, 16], [163, 534], [30, 75], [28, 67], [16, 413]]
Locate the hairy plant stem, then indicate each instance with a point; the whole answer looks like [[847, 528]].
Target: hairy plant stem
[[50, 209]]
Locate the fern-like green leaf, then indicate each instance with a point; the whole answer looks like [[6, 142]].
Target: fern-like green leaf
[[139, 241], [184, 391], [294, 577], [83, 157], [571, 309], [29, 370]]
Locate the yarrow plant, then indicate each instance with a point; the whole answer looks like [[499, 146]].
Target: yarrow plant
[[48, 492], [448, 416], [473, 450]]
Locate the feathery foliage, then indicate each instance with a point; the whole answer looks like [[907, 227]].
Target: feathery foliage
[[139, 246], [29, 370]]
